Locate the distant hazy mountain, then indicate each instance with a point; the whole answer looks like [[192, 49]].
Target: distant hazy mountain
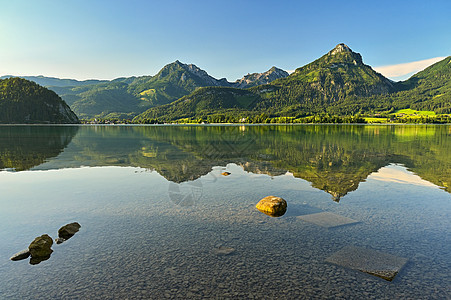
[[57, 82], [23, 101]]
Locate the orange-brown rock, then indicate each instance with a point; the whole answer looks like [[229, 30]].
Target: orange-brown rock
[[272, 206]]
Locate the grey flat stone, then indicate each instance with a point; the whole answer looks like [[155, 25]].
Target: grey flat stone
[[21, 255], [327, 219], [370, 261], [223, 250]]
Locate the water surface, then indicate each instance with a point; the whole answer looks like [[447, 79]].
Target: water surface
[[154, 208]]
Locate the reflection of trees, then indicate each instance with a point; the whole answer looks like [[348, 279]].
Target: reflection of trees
[[23, 147], [333, 158], [190, 152]]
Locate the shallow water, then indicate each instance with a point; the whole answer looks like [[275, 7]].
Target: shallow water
[[154, 208]]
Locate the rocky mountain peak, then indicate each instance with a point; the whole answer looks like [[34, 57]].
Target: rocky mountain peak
[[190, 70], [196, 71], [279, 72], [340, 48], [342, 54], [186, 71], [260, 78]]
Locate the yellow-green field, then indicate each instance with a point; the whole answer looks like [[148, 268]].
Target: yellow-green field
[[412, 112], [373, 120]]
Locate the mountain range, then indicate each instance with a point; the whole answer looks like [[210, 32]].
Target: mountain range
[[338, 83], [127, 97]]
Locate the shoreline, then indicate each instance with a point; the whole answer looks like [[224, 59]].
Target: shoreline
[[235, 124]]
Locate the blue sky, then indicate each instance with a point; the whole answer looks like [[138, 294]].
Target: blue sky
[[109, 39]]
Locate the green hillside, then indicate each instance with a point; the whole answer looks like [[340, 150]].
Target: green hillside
[[203, 102], [23, 101], [430, 89], [106, 100]]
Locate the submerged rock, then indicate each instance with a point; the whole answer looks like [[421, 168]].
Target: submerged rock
[[67, 231], [223, 250], [21, 255], [379, 264], [272, 206], [41, 246]]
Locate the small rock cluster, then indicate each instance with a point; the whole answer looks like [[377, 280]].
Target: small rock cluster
[[40, 248]]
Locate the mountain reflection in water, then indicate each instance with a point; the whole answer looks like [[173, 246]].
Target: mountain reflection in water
[[24, 147], [333, 158]]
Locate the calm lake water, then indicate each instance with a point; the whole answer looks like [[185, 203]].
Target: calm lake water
[[159, 220]]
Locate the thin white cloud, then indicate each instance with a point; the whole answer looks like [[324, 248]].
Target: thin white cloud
[[401, 70]]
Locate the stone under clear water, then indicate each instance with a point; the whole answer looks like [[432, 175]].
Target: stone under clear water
[[369, 261]]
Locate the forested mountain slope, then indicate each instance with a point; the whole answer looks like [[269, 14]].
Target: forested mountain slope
[[23, 101]]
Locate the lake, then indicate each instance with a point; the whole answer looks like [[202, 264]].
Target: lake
[[169, 211]]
